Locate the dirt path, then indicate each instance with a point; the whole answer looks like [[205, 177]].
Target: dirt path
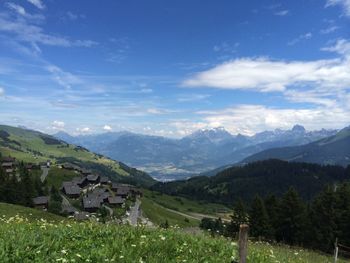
[[45, 172]]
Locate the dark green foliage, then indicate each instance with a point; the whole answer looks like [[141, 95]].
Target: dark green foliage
[[291, 220], [103, 213], [49, 140], [262, 178], [259, 219], [55, 201], [239, 216]]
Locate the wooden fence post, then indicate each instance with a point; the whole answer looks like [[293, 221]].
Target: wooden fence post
[[243, 243], [336, 250]]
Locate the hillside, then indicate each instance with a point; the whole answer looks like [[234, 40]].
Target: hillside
[[263, 178], [33, 146], [331, 150], [203, 150], [91, 242], [10, 210]]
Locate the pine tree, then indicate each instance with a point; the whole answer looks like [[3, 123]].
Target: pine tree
[[291, 220], [258, 219], [238, 217], [272, 204]]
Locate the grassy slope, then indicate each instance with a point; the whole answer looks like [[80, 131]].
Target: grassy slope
[[24, 145], [154, 207], [91, 242], [9, 210], [158, 215], [56, 176], [185, 205]]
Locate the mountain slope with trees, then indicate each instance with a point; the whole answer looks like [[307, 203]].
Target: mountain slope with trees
[[262, 178]]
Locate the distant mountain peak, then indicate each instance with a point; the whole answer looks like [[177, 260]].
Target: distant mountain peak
[[298, 128]]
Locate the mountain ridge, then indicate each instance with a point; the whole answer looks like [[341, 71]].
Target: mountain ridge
[[203, 150]]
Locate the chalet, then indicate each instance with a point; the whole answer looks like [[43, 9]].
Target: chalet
[[115, 200], [71, 190], [8, 167], [8, 159], [93, 178], [84, 171], [41, 202], [101, 194], [104, 180], [80, 181], [69, 210], [123, 192], [91, 203]]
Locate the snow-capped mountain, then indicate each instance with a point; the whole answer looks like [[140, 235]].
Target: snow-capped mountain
[[200, 151]]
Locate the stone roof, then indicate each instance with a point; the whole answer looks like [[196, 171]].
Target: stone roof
[[91, 202], [41, 200], [93, 177], [72, 189], [115, 200]]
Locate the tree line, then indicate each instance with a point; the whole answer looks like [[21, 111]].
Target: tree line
[[290, 220], [21, 186]]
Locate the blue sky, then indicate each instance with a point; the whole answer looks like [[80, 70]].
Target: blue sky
[[171, 67]]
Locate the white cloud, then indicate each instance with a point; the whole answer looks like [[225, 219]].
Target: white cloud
[[146, 90], [249, 119], [38, 3], [24, 31], [344, 3], [282, 13], [2, 91], [266, 75], [329, 29], [63, 78], [107, 128], [58, 125], [305, 36], [83, 130], [19, 9]]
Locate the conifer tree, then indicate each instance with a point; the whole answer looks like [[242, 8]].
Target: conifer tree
[[238, 217], [291, 219], [258, 219]]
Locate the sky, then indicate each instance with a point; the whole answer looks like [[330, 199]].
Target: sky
[[169, 68]]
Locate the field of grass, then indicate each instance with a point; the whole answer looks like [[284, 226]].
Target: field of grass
[[56, 176], [41, 241], [185, 205], [9, 210], [159, 214]]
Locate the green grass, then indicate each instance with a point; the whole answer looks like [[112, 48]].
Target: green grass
[[57, 175], [159, 214], [185, 205], [40, 241], [9, 210]]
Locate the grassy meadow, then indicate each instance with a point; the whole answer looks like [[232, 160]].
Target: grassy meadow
[[43, 241]]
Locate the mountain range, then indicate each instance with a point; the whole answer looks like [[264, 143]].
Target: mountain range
[[204, 150], [330, 150]]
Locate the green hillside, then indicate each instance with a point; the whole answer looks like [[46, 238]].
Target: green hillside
[[40, 241], [33, 146], [8, 210], [331, 150], [262, 178]]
